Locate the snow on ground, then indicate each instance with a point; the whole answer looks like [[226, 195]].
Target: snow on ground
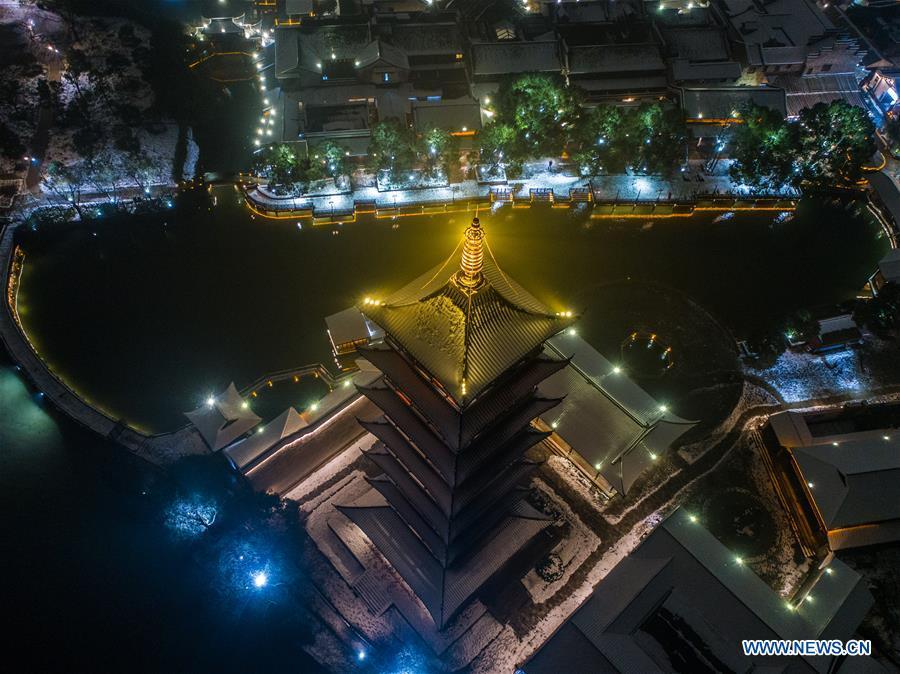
[[567, 471], [573, 550], [802, 376], [751, 396], [509, 651]]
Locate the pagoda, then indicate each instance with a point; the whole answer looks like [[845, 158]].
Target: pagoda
[[461, 360]]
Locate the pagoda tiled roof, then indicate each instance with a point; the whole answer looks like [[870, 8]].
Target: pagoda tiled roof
[[465, 338]]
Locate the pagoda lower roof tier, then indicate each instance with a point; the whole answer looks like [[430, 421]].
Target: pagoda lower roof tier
[[444, 590], [458, 427]]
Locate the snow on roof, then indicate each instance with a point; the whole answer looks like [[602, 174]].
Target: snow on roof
[[777, 24], [604, 416], [855, 482], [245, 451], [681, 572], [685, 70], [417, 39], [458, 114], [223, 418], [720, 102], [501, 58], [697, 43], [347, 326], [806, 91], [614, 58]]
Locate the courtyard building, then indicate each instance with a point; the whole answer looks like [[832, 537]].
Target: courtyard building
[[838, 474], [681, 601]]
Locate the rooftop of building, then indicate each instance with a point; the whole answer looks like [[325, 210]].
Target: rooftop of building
[[604, 416], [615, 58], [465, 336], [850, 461], [515, 56], [223, 418], [721, 102], [681, 592]]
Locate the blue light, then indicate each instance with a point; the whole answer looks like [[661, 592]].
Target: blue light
[[260, 579], [361, 655], [190, 517]]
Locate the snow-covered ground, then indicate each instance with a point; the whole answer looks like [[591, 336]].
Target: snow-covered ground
[[803, 376], [539, 177]]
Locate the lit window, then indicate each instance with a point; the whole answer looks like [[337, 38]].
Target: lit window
[[386, 77]]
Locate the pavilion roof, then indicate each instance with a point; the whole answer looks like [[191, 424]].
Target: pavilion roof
[[465, 338]]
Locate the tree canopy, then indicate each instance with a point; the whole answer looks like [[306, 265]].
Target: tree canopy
[[392, 146], [541, 109], [828, 144]]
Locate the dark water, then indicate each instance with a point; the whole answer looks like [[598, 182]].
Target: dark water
[[93, 579], [151, 314]]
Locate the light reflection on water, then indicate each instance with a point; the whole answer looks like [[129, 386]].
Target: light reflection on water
[[146, 318]]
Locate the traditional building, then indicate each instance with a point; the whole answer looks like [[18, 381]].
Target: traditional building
[[461, 361], [838, 474], [683, 602]]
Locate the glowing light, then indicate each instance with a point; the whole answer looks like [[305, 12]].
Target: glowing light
[[739, 561], [829, 570], [617, 370], [653, 457], [809, 598], [835, 444], [809, 484], [663, 408], [347, 384], [314, 407], [692, 518], [260, 579], [572, 332], [554, 425], [361, 655], [245, 405], [210, 401], [886, 437]]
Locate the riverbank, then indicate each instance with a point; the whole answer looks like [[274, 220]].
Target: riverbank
[[612, 196]]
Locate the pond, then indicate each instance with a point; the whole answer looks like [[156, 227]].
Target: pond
[[149, 314], [95, 579]]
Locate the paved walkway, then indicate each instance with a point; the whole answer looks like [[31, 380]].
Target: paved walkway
[[686, 186]]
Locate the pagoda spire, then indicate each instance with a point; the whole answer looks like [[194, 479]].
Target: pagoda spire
[[470, 274]]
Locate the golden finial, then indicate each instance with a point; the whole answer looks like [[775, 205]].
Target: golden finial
[[469, 274]]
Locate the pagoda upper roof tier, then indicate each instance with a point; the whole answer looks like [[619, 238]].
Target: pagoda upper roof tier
[[465, 337]]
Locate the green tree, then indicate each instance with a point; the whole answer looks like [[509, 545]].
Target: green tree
[[437, 148], [542, 109], [661, 137], [282, 165], [835, 141], [332, 157], [391, 146], [764, 148], [497, 142], [600, 138]]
